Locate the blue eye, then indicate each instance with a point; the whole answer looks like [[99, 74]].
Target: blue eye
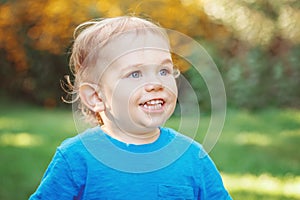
[[164, 72], [135, 74]]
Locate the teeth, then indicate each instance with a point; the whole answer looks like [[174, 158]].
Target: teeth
[[153, 107], [153, 104]]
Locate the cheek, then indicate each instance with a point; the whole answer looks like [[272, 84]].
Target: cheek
[[122, 95], [117, 88], [171, 86], [125, 89]]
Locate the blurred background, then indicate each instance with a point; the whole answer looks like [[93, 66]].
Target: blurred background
[[254, 43]]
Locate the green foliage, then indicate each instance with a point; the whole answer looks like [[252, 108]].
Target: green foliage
[[199, 87], [40, 84], [259, 79]]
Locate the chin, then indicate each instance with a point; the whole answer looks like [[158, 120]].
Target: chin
[[155, 123]]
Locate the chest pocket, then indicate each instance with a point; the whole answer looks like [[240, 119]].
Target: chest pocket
[[175, 192]]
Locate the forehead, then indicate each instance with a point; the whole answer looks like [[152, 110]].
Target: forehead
[[129, 48], [133, 42], [142, 57]]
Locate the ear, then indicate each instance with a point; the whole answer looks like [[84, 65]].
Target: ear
[[91, 97]]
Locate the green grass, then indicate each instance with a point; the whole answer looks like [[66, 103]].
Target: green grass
[[257, 153]]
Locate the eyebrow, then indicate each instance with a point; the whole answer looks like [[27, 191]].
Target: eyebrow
[[166, 61]]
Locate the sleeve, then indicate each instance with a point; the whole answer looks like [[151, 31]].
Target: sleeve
[[57, 182], [213, 187]]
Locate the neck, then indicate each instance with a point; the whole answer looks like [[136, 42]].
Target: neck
[[131, 138]]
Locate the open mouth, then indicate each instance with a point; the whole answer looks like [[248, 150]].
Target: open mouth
[[153, 104]]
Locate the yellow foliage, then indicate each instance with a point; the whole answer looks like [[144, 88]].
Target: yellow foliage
[[9, 39], [48, 24]]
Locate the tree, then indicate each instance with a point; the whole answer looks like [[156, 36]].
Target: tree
[[35, 36]]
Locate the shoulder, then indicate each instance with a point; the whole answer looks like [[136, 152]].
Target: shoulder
[[69, 165], [74, 149], [177, 135], [76, 142], [184, 140]]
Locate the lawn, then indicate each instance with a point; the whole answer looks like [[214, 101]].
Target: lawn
[[257, 153]]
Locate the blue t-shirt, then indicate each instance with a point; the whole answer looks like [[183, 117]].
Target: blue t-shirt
[[94, 166]]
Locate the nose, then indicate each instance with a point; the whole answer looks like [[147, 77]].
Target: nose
[[153, 86]]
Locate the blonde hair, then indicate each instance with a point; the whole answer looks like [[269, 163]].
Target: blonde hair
[[96, 34]]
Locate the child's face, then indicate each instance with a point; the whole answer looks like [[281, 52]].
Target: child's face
[[139, 88]]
